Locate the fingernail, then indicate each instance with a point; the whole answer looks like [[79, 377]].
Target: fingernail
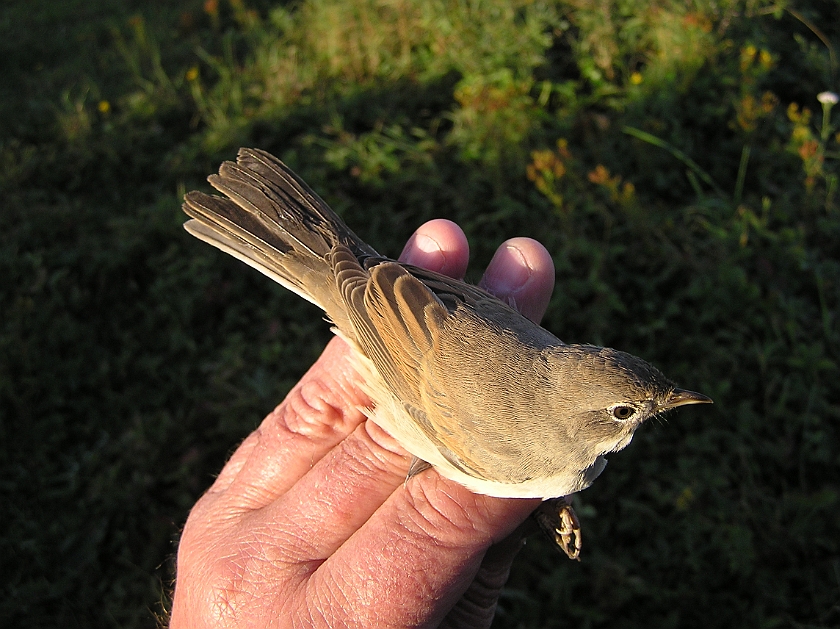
[[508, 272], [423, 251]]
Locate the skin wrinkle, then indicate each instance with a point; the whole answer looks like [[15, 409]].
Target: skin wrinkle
[[361, 588], [435, 511], [252, 574], [437, 607], [326, 403], [309, 412], [226, 579], [418, 526], [415, 593], [470, 562], [323, 505], [290, 612], [225, 610], [414, 589], [293, 554], [385, 441], [331, 598], [216, 596], [311, 614], [371, 452], [358, 457], [307, 421], [253, 497]]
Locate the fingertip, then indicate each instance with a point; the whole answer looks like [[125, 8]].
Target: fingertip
[[438, 245], [522, 274]]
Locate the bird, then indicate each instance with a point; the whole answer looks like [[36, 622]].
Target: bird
[[459, 378]]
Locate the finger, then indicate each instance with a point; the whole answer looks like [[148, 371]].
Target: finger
[[522, 274], [425, 545], [438, 245]]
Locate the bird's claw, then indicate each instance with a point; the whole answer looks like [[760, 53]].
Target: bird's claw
[[559, 521]]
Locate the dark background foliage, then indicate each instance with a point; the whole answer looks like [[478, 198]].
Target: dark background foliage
[[672, 156]]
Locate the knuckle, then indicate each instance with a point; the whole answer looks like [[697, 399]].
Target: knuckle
[[365, 454], [310, 410], [446, 513]]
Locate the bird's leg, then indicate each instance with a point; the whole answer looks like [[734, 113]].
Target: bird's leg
[[559, 521]]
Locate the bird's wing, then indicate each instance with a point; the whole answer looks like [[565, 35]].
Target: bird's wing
[[398, 313]]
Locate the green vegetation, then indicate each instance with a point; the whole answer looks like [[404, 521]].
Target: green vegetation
[[673, 157]]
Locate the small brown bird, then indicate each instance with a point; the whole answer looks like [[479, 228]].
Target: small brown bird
[[459, 378]]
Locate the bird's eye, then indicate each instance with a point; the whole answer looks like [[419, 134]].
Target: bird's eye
[[623, 412]]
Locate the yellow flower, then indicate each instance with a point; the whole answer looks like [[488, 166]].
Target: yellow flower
[[800, 133], [636, 78], [768, 102], [600, 175], [748, 53], [765, 59], [104, 107], [192, 74], [798, 117]]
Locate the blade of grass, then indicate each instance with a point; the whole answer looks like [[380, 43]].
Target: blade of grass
[[742, 173], [644, 136], [695, 185]]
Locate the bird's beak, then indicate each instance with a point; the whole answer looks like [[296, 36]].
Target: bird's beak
[[681, 397]]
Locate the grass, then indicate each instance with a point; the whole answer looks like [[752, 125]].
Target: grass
[[673, 157]]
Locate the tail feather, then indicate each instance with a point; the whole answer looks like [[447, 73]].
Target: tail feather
[[248, 240], [275, 223], [265, 186]]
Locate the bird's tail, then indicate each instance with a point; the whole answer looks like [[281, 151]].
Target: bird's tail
[[275, 223]]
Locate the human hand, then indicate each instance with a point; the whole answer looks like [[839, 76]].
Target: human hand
[[312, 522]]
